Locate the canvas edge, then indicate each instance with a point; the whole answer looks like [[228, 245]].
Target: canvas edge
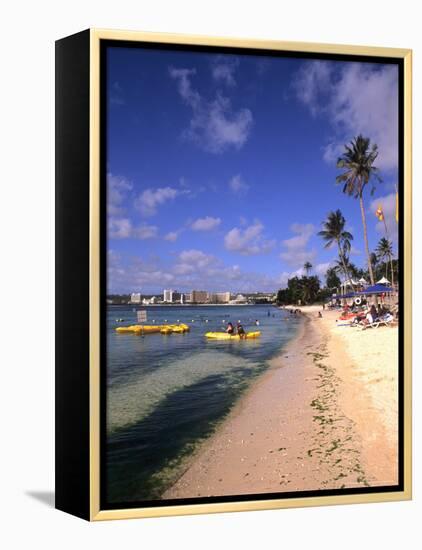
[[96, 514]]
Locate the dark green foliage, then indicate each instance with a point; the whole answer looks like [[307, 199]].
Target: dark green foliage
[[302, 290], [332, 280]]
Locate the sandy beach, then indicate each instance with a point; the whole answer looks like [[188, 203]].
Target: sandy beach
[[323, 416]]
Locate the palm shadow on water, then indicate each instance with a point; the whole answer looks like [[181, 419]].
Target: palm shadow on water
[[143, 459]]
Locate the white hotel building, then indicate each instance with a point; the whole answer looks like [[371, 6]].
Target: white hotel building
[[135, 298], [168, 296]]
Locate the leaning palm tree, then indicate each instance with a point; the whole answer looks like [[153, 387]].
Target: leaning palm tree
[[333, 232], [357, 163], [307, 267], [384, 251]]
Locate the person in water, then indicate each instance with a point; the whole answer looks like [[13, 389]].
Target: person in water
[[241, 331], [257, 322], [230, 329]]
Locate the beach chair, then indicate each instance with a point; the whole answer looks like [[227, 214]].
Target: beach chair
[[378, 323]]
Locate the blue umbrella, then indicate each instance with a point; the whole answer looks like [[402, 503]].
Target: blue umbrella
[[377, 289]]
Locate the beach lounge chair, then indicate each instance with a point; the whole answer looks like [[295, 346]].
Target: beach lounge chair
[[387, 321]]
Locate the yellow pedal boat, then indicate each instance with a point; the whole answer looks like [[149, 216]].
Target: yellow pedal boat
[[226, 336]]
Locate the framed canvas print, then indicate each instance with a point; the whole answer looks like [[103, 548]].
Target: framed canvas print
[[233, 280]]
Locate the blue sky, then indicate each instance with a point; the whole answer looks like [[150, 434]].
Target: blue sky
[[221, 168]]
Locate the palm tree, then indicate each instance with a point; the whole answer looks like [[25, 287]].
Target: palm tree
[[307, 267], [384, 251], [374, 260], [333, 232], [351, 268], [358, 164], [309, 288]]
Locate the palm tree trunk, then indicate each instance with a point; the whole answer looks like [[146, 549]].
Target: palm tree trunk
[[392, 271], [365, 235], [390, 256], [346, 271]]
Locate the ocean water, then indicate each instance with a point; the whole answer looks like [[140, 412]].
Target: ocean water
[[166, 394]]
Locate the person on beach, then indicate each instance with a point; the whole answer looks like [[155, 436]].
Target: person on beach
[[241, 331], [360, 318], [230, 328], [382, 311], [373, 312], [369, 318], [257, 322]]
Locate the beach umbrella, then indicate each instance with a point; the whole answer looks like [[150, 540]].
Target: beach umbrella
[[383, 281], [377, 289]]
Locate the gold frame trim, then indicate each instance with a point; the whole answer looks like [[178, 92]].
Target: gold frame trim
[[99, 515]]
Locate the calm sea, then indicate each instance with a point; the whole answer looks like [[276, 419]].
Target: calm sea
[[166, 394]]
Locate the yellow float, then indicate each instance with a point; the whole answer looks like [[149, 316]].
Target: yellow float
[[150, 329], [226, 336]]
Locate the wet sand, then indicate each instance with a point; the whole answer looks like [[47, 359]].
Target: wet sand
[[324, 416]]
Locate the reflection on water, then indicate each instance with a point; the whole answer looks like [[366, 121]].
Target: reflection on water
[[166, 393]]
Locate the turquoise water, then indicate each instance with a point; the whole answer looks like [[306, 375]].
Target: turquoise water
[[165, 394]]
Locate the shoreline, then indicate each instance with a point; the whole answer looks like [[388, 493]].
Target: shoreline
[[308, 423]]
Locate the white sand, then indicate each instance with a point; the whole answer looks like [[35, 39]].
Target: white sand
[[325, 416]]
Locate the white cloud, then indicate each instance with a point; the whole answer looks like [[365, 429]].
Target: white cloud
[[172, 236], [205, 224], [119, 228], [295, 252], [388, 205], [190, 269], [145, 231], [248, 241], [321, 268], [215, 126], [122, 228], [356, 98], [223, 69], [332, 151], [117, 190], [193, 261], [312, 83], [196, 258], [237, 185], [148, 201]]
